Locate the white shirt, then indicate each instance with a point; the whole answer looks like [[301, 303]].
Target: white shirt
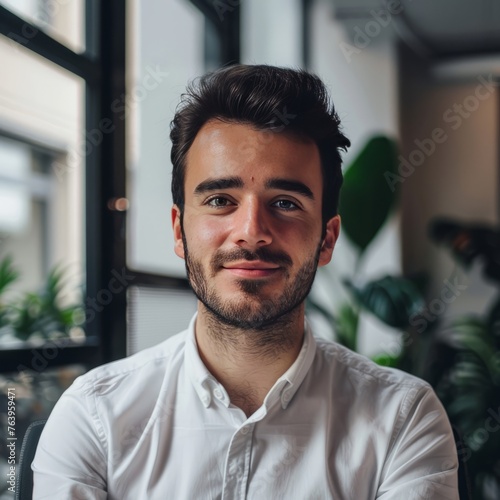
[[158, 425]]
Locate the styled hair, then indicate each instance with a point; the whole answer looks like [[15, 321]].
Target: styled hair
[[266, 97]]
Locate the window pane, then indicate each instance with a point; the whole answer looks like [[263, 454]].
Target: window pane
[[271, 32], [155, 314], [42, 155], [63, 20], [166, 51]]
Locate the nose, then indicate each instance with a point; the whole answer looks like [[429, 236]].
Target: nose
[[251, 225]]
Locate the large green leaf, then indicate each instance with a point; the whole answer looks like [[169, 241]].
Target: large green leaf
[[474, 335], [346, 326], [8, 273], [366, 197], [493, 319], [392, 299], [390, 360]]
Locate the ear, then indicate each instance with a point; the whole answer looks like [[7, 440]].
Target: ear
[[331, 236], [176, 226]]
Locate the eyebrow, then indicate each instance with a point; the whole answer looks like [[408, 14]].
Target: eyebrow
[[218, 184], [288, 185], [237, 182]]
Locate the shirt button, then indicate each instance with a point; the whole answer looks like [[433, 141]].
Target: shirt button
[[206, 399], [286, 396], [218, 393], [244, 430]]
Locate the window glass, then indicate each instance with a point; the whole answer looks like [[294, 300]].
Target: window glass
[[42, 157], [63, 20], [155, 314]]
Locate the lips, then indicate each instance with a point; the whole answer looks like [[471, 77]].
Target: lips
[[253, 264], [251, 269]]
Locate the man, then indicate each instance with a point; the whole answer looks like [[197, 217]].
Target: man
[[246, 403]]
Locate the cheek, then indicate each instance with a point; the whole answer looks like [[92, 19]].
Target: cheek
[[213, 229], [205, 233], [301, 237]]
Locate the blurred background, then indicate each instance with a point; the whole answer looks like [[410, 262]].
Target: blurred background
[[87, 268]]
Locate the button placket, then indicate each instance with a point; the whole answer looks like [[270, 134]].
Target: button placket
[[238, 464]]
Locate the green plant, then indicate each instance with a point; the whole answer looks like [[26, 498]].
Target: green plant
[[36, 314], [469, 382], [365, 198], [8, 275]]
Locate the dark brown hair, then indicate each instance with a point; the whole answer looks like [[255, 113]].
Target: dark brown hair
[[282, 100]]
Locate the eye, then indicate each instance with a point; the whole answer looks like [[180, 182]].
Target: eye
[[218, 202], [286, 205]]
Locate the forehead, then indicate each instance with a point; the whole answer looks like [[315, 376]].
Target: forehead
[[222, 149]]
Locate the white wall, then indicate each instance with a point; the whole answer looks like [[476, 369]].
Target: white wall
[[363, 84]]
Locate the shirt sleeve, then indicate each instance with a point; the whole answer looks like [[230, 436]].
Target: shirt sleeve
[[422, 462], [70, 460]]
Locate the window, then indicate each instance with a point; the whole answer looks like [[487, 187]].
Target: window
[[42, 188]]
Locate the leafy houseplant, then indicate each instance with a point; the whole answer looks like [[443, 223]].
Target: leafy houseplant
[[36, 314], [469, 380]]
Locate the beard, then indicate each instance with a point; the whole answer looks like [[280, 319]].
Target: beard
[[252, 311]]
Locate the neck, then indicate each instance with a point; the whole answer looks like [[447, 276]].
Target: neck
[[247, 362]]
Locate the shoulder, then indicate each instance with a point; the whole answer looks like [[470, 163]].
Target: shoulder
[[359, 367], [367, 386], [143, 371], [381, 398]]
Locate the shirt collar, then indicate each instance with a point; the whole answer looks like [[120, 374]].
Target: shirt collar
[[201, 378], [290, 381], [284, 388]]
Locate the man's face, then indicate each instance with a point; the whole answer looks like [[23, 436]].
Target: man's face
[[251, 228]]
